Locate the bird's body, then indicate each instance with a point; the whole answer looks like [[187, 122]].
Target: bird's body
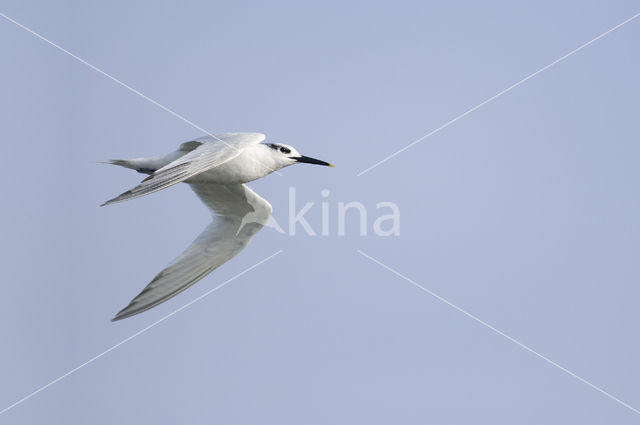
[[216, 168], [250, 165]]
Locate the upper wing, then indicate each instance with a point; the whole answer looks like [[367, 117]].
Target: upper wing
[[211, 152], [239, 213]]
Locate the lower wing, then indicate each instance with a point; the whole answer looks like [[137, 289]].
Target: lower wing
[[239, 213]]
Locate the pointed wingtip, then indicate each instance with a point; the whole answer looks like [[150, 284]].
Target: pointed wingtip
[[120, 315], [120, 198], [128, 311], [109, 202]]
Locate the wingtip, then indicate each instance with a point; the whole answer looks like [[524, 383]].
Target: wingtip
[[120, 315], [128, 311], [109, 202], [120, 198]]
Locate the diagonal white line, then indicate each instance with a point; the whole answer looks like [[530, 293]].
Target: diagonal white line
[[499, 332], [448, 123], [126, 86], [140, 332]]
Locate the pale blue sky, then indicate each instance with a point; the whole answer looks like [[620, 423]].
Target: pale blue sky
[[524, 213]]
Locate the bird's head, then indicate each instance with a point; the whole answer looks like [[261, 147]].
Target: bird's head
[[286, 155]]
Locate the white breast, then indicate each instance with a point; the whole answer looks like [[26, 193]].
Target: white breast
[[253, 163]]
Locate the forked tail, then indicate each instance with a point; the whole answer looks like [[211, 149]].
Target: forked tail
[[141, 165]]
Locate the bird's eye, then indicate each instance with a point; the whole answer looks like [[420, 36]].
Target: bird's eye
[[285, 150]]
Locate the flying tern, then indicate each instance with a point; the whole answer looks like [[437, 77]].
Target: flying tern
[[217, 168]]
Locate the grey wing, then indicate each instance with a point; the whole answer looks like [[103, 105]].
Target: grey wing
[[239, 213], [209, 153]]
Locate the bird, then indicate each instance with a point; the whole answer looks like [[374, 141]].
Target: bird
[[216, 166]]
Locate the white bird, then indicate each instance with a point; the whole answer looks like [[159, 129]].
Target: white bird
[[216, 167]]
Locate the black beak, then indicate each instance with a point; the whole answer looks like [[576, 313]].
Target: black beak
[[308, 160]]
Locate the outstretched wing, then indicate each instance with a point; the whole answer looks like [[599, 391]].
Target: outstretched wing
[[239, 213], [211, 152]]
